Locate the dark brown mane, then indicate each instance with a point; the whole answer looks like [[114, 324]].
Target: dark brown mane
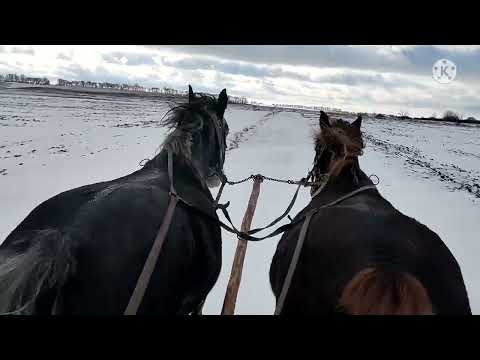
[[338, 144], [340, 135]]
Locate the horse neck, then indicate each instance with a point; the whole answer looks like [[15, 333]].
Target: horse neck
[[350, 178], [181, 165]]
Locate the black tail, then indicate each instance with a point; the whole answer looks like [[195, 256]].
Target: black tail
[[27, 275]]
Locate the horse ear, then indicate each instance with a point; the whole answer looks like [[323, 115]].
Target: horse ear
[[191, 95], [324, 121], [222, 102], [357, 123]]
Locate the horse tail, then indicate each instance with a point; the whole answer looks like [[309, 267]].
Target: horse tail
[[40, 268], [375, 291]]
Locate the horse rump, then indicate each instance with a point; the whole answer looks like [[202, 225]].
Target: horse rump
[[376, 291], [33, 274]]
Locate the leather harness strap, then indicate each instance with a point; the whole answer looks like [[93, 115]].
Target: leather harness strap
[[148, 268], [296, 255]]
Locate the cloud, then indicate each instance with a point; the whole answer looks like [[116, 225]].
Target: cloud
[[99, 74], [130, 59], [340, 76], [363, 57], [231, 67], [357, 78], [22, 50], [63, 56], [458, 48], [396, 59]]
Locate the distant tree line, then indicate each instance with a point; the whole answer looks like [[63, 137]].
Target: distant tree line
[[305, 107], [449, 115], [106, 85], [137, 88], [24, 79]]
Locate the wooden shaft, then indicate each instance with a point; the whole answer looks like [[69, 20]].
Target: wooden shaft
[[237, 266]]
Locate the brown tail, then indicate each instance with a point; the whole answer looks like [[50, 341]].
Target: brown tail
[[374, 291]]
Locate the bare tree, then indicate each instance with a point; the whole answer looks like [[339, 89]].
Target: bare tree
[[450, 115]]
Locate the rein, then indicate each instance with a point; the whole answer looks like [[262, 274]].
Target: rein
[[149, 266], [248, 235]]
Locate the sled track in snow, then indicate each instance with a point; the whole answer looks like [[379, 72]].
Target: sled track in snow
[[243, 135]]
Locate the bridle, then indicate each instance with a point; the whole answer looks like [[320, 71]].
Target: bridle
[[220, 135], [350, 152], [321, 178], [219, 126]]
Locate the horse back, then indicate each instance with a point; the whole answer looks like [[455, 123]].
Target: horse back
[[366, 231]]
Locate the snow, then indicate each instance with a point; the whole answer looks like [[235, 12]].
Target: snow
[[69, 141]]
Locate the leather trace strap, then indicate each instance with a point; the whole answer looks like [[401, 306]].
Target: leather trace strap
[[150, 263], [296, 255]]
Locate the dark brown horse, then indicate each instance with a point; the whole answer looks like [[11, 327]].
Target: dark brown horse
[[361, 256]]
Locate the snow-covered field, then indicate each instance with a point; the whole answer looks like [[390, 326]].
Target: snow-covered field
[[51, 142]]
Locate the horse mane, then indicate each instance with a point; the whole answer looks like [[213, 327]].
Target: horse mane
[[339, 136], [344, 142], [182, 121], [173, 118]]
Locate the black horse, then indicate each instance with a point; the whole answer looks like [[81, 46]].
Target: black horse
[[361, 255], [82, 251]]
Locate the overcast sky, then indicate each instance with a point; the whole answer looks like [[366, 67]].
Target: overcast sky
[[388, 79]]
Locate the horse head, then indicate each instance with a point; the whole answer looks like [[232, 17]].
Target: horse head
[[199, 133], [338, 144]]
